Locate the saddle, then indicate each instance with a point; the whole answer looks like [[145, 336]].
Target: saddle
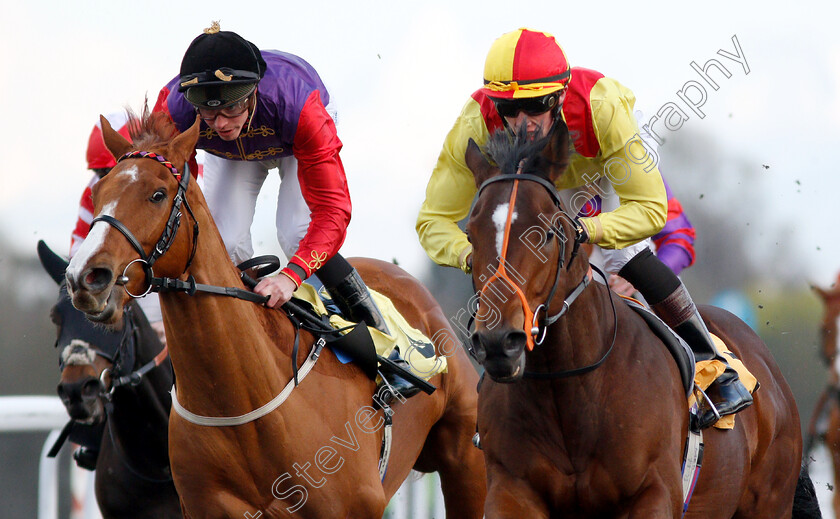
[[678, 348], [417, 349], [699, 374], [366, 346]]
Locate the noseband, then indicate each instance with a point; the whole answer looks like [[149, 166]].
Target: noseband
[[539, 318], [172, 224]]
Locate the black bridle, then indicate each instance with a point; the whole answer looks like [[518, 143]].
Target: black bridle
[[172, 224], [164, 284], [542, 318]]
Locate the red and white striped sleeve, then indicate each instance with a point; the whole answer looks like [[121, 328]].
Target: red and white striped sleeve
[[80, 231]]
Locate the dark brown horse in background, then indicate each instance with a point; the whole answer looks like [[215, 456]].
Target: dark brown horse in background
[[592, 421], [121, 418], [316, 455], [828, 404]]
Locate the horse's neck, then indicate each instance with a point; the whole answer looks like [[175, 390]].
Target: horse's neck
[[229, 355], [138, 424], [580, 338]]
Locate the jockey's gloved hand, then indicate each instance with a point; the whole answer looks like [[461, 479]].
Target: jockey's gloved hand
[[581, 235]]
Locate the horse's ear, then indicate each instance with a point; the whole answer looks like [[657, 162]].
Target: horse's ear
[[54, 264], [482, 170], [183, 146], [557, 150], [114, 141], [828, 295]]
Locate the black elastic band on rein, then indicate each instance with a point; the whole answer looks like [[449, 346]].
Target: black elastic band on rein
[[586, 369]]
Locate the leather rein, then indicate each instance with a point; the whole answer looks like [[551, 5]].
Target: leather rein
[[298, 315]]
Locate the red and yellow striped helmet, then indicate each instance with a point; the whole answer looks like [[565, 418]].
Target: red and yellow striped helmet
[[525, 63]]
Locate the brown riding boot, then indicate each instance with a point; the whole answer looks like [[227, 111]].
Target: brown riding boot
[[727, 393]]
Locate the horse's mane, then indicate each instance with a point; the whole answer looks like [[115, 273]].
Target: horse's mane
[[150, 129], [521, 151]]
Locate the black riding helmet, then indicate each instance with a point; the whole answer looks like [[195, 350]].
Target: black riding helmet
[[219, 69]]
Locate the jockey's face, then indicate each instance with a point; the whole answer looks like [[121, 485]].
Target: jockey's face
[[228, 122], [534, 121]]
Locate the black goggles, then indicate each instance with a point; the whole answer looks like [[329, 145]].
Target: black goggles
[[531, 106]]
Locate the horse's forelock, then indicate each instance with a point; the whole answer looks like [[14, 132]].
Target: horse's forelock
[[510, 152], [150, 130]]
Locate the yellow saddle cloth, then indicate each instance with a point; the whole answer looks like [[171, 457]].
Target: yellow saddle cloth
[[415, 347], [707, 371]]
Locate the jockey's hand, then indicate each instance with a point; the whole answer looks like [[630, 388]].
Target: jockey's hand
[[621, 286], [278, 288]]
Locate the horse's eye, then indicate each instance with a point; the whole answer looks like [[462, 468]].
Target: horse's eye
[[549, 236], [159, 196]]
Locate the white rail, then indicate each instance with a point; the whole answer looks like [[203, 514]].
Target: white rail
[[418, 498], [46, 413]]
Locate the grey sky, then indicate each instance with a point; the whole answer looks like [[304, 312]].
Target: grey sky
[[400, 73]]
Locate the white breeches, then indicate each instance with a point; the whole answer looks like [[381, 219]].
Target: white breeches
[[231, 188]]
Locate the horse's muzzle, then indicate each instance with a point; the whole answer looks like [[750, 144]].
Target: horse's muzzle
[[501, 352], [81, 399]]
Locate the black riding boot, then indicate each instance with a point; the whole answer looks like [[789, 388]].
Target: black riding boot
[[727, 392], [669, 298], [351, 296]]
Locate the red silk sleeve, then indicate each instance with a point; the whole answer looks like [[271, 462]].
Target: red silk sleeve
[[323, 184]]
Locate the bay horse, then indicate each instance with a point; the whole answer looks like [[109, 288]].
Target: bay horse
[[829, 402], [583, 413], [317, 454], [123, 427]]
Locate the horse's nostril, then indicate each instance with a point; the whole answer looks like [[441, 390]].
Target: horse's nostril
[[90, 389], [96, 279], [514, 343], [478, 349], [62, 393]]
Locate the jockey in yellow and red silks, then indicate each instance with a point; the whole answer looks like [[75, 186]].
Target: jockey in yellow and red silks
[[529, 83]]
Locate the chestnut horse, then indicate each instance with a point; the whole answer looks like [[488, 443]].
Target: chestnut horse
[[829, 401], [584, 414], [122, 427], [314, 456]]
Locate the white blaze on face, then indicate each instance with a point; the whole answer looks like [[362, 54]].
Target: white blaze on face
[[500, 219], [92, 243], [128, 175]]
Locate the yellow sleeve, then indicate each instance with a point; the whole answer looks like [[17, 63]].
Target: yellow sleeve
[[450, 192], [632, 171]]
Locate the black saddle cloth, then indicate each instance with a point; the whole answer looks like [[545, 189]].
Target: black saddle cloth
[[678, 348]]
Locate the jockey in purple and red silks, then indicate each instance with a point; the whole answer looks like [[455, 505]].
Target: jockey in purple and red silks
[[674, 243], [266, 109]]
